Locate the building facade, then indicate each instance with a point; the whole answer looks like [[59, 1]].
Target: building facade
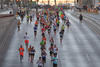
[[82, 3], [89, 3], [96, 3]]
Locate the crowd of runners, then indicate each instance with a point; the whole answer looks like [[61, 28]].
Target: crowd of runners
[[49, 21]]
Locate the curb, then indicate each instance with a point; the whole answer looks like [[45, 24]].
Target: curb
[[6, 15]]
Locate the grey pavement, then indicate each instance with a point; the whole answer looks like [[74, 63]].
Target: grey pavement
[[80, 47], [12, 56], [7, 28], [96, 16], [90, 15], [92, 23]]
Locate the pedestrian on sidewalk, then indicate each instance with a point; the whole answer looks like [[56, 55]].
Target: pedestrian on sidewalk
[[81, 18], [18, 24]]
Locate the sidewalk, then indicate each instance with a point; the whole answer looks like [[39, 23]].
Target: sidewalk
[[91, 20], [96, 16]]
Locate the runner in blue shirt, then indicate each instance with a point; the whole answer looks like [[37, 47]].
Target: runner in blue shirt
[[55, 60], [35, 31]]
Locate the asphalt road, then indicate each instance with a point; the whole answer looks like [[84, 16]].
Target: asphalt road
[[80, 47]]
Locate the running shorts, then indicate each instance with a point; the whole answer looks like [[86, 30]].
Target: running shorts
[[26, 41], [35, 31], [54, 29]]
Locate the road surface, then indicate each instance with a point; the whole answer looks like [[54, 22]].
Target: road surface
[[80, 47]]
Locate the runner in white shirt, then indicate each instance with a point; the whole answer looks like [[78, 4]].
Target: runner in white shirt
[[26, 37]]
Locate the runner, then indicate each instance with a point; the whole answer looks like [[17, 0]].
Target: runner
[[55, 50], [21, 51], [26, 40], [52, 40], [32, 53], [54, 28], [68, 24], [18, 24], [81, 18], [30, 18], [43, 55], [61, 36], [44, 39], [40, 62], [43, 31], [21, 16], [55, 60], [29, 52], [58, 22], [64, 18], [51, 50], [63, 28], [36, 23], [37, 17], [42, 44], [49, 30], [35, 31]]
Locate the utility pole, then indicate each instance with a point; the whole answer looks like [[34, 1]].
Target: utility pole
[[1, 4], [37, 6], [55, 2], [94, 3], [14, 7], [66, 1], [48, 2]]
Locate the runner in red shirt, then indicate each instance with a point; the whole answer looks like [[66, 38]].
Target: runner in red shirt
[[43, 31], [36, 23], [21, 52], [44, 38]]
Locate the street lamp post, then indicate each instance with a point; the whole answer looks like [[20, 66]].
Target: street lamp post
[[94, 3], [1, 4], [14, 7], [48, 2], [37, 6], [55, 2]]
